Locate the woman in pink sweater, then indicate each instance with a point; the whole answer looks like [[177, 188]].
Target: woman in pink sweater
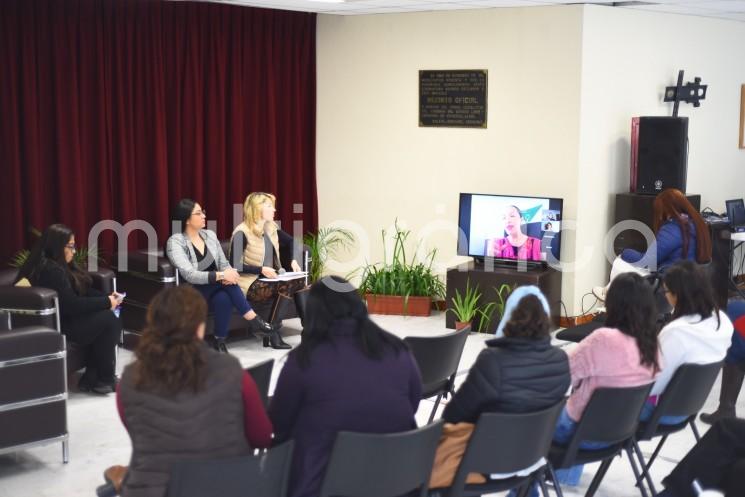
[[622, 354]]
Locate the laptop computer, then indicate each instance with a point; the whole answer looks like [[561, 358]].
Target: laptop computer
[[736, 214]]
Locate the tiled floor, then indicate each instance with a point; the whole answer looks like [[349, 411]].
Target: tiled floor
[[97, 438]]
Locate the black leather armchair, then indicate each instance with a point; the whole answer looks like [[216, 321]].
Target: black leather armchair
[[33, 389], [146, 273], [37, 306]]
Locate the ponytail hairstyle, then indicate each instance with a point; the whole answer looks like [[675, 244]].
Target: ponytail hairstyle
[[169, 357]]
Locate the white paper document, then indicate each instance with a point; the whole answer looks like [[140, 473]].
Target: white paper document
[[290, 275]]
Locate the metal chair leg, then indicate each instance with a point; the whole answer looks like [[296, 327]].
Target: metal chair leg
[[65, 451], [599, 477], [544, 487], [655, 453], [557, 485], [636, 471], [434, 409], [692, 422], [645, 469]]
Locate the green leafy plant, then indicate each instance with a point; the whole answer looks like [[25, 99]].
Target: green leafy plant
[[80, 257], [466, 307], [323, 245], [503, 292], [402, 276]]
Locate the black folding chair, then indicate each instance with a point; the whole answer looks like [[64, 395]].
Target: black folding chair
[[610, 417], [685, 395], [438, 358], [381, 465], [262, 375], [506, 443], [262, 475]]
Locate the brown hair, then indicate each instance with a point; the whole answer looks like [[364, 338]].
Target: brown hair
[[672, 204], [528, 320], [169, 359]]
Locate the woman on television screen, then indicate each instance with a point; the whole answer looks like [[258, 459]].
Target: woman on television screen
[[516, 245]]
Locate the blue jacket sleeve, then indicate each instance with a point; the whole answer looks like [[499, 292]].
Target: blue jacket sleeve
[[669, 239]]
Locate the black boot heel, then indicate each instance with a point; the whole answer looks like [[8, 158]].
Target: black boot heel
[[265, 340]]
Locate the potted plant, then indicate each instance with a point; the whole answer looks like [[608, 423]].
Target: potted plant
[[402, 286], [466, 308], [323, 245], [503, 292], [80, 257]]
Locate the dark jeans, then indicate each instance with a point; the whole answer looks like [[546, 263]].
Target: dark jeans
[[716, 461], [98, 333], [222, 299]]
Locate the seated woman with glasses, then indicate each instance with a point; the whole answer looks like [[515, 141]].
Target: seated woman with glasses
[[86, 314], [255, 249], [179, 399], [197, 254], [698, 334]]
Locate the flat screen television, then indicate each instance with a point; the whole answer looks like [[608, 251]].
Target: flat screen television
[[510, 228]]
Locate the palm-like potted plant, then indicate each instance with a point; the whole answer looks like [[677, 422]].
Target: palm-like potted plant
[[467, 308], [324, 244], [404, 285]]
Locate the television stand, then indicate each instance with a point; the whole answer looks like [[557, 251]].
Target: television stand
[[488, 279]]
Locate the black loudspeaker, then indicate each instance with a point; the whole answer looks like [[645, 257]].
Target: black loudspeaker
[[659, 154]]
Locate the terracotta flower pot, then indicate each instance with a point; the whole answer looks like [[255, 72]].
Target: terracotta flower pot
[[394, 304], [459, 325]]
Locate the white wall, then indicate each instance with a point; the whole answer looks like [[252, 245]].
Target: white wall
[[375, 164], [629, 57], [564, 83]]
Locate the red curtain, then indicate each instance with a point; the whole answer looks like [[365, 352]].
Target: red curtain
[[115, 109]]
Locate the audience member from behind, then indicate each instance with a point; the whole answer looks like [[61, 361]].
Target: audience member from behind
[[624, 353], [497, 381], [86, 314], [181, 400], [347, 374], [680, 234], [698, 334], [520, 372]]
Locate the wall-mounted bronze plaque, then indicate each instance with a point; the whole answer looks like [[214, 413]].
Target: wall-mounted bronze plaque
[[453, 99]]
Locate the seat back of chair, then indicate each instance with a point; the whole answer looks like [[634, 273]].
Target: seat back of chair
[[611, 417], [262, 375], [508, 443], [685, 395], [33, 387], [262, 475], [381, 465], [438, 358]]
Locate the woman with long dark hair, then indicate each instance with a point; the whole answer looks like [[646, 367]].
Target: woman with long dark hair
[[347, 374], [197, 254], [699, 332], [179, 399], [86, 314], [680, 234], [623, 353]]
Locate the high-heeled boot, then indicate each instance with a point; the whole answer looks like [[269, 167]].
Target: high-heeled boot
[[732, 378], [274, 340], [258, 325]]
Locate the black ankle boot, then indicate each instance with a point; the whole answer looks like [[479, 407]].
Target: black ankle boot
[[258, 325], [274, 340], [220, 345]]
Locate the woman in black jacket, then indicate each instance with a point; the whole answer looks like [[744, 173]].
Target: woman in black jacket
[[86, 313], [499, 380]]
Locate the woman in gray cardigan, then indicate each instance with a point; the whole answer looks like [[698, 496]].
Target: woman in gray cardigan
[[198, 256]]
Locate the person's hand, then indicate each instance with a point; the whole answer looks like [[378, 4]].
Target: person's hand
[[268, 272], [230, 276], [295, 266], [113, 301]]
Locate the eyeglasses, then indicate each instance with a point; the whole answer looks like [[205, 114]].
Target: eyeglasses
[[203, 212], [71, 246]]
